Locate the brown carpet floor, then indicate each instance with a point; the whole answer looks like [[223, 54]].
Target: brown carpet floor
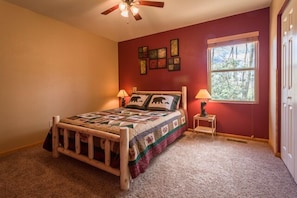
[[196, 165]]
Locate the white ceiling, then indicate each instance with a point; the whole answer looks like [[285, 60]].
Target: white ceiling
[[85, 14]]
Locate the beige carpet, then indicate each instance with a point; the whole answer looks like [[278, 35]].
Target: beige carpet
[[194, 166]]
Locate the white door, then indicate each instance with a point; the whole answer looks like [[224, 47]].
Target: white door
[[288, 89]]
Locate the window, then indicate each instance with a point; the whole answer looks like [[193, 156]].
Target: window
[[232, 68]]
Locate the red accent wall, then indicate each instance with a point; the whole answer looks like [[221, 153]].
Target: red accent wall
[[239, 119]]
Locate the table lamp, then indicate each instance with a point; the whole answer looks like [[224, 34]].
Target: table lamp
[[122, 94], [204, 96]]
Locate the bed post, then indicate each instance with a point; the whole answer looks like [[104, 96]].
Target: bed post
[[124, 156], [184, 97], [55, 138]]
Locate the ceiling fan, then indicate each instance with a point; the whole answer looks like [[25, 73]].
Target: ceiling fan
[[129, 6]]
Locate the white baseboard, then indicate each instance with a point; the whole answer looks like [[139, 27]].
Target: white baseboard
[[242, 137]]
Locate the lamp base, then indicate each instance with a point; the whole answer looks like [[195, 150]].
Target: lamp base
[[203, 112], [123, 102]]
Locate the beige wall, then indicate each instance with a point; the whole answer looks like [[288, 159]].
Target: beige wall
[[273, 136], [49, 68]]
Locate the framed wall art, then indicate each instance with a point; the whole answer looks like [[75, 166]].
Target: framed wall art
[[143, 52], [162, 63], [153, 63], [174, 47], [162, 52], [158, 58], [174, 64], [153, 54], [143, 66]]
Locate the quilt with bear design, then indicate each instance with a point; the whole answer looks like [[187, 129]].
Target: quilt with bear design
[[149, 132]]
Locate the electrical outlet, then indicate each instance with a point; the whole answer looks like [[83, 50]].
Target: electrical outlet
[[50, 123]]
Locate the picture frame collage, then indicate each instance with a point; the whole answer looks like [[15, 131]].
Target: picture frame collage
[[157, 58]]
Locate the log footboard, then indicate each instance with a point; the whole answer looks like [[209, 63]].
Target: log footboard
[[123, 140]]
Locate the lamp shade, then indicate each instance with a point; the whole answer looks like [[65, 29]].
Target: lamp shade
[[134, 10], [125, 13], [122, 93], [203, 94], [122, 6]]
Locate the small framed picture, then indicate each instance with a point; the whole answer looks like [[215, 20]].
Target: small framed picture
[[153, 63], [176, 60], [170, 61], [143, 52], [174, 64], [174, 47], [143, 67], [162, 63], [153, 54], [162, 52]]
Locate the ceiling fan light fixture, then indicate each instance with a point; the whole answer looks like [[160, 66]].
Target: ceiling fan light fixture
[[125, 13], [123, 6], [134, 10], [129, 6]]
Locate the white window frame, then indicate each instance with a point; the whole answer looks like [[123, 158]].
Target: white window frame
[[232, 40]]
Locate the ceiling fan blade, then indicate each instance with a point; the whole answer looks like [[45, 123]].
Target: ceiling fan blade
[[137, 17], [110, 9], [152, 3]]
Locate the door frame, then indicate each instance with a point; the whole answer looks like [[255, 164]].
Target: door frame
[[279, 74]]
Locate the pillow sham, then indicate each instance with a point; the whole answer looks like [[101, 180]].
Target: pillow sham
[[164, 102], [139, 101]]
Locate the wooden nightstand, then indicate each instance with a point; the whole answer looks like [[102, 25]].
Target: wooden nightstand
[[211, 128]]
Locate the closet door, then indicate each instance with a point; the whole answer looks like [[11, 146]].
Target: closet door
[[288, 84]]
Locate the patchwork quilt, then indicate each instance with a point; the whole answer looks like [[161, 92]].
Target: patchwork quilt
[[149, 132]]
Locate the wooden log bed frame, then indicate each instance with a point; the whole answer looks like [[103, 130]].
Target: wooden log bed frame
[[123, 139]]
